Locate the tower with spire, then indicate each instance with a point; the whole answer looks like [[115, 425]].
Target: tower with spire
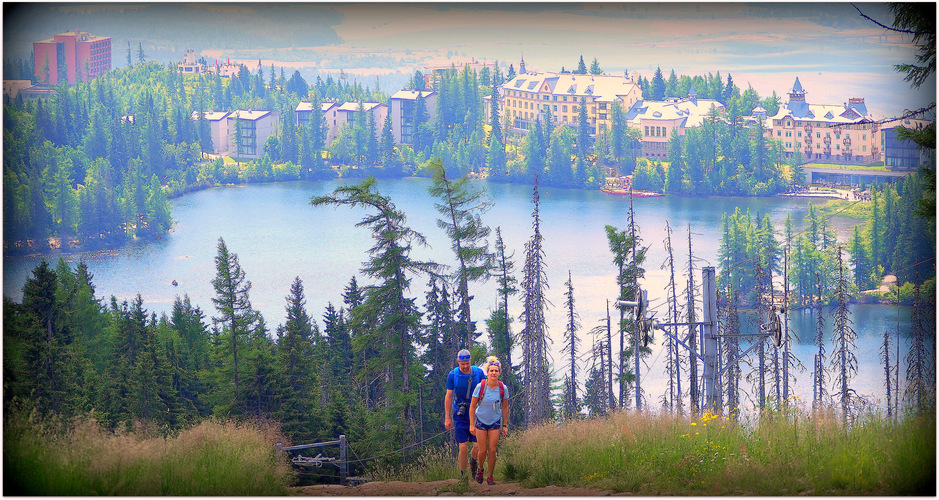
[[521, 66], [797, 104]]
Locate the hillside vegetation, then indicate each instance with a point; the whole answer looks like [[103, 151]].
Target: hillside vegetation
[[782, 454]]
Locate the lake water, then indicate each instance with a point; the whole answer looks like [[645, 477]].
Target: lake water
[[278, 236]]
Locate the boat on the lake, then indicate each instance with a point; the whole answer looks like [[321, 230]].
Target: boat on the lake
[[623, 186]]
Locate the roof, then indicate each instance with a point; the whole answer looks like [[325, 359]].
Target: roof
[[412, 94], [211, 115], [853, 111], [797, 87], [601, 87], [690, 111], [308, 106], [354, 106], [249, 114], [829, 113]]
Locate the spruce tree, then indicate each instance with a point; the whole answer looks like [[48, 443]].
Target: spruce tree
[[844, 362], [387, 319], [461, 207], [296, 408], [571, 406], [534, 335], [236, 319]]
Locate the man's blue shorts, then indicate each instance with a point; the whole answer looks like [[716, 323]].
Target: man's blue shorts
[[461, 426]]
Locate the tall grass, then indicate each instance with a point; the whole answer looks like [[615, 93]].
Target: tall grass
[[780, 455], [211, 459]]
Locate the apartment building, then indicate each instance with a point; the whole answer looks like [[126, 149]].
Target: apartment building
[[834, 132], [402, 113], [254, 127], [218, 126], [530, 96], [659, 121], [336, 115], [71, 56], [345, 115]]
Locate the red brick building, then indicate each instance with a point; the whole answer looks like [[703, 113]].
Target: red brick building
[[72, 55]]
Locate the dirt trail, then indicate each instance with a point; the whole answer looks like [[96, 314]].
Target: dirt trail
[[442, 488]]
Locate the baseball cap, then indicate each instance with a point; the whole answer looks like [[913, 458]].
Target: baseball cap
[[463, 354]]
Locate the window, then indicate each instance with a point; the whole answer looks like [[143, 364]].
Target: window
[[564, 107], [603, 105], [800, 133], [778, 133], [555, 108], [818, 135], [647, 131], [603, 116], [574, 109]]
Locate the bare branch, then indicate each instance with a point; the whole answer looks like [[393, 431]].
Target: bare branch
[[884, 26]]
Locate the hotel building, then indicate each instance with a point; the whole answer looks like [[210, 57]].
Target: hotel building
[[845, 133], [68, 55]]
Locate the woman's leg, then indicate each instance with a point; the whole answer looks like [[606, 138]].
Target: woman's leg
[[492, 441], [482, 438]]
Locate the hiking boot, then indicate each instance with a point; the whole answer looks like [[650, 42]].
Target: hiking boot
[[490, 481], [479, 476], [473, 466]]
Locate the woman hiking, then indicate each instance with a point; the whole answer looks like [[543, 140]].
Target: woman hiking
[[489, 416]]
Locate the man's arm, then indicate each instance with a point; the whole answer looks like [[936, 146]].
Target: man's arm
[[447, 404]]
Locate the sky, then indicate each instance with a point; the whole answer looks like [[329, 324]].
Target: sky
[[835, 53]]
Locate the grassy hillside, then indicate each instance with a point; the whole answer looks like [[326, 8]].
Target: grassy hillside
[[794, 454], [210, 459]]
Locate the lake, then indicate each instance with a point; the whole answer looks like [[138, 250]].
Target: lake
[[278, 236]]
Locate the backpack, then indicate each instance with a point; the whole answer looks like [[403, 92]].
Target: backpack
[[482, 390]]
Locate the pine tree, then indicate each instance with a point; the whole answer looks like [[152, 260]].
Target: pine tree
[[571, 407], [633, 273], [844, 362], [461, 208], [595, 67], [617, 241], [387, 319], [581, 67], [820, 376], [658, 85], [534, 335], [920, 391], [674, 399], [297, 409], [236, 317]]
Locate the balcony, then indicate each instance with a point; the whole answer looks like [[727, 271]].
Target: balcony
[[827, 142]]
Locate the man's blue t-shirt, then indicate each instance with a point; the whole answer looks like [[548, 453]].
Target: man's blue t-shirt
[[458, 381]]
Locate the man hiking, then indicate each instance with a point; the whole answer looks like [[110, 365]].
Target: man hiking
[[460, 382]]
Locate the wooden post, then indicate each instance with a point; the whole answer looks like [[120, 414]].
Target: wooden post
[[709, 340], [343, 464]]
